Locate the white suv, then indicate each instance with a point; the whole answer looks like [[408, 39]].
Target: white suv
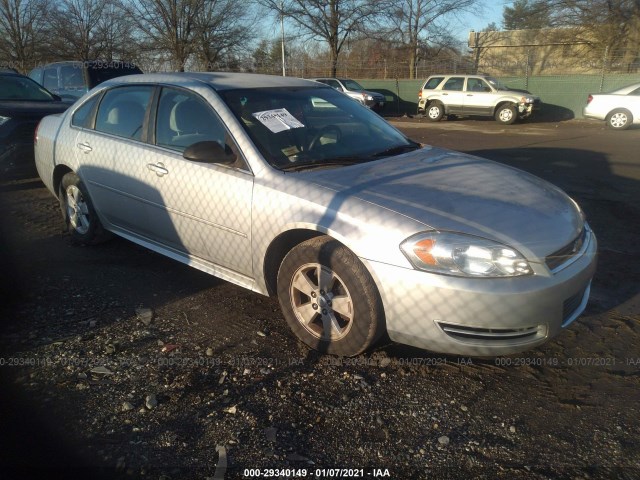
[[468, 95]]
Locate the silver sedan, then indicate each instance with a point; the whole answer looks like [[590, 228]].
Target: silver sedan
[[289, 188]]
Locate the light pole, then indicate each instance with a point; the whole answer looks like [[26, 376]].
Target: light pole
[[284, 72]]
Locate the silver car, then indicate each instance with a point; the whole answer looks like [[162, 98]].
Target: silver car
[[287, 187], [620, 108], [353, 89]]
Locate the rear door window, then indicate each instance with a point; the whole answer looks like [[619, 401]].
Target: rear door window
[[454, 83], [122, 111]]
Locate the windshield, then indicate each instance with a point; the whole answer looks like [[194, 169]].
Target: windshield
[[13, 87], [497, 84], [304, 127], [352, 85]]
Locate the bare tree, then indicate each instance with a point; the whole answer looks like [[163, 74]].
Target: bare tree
[[116, 30], [169, 27], [223, 27], [22, 25], [612, 24], [332, 21], [76, 32], [414, 24]]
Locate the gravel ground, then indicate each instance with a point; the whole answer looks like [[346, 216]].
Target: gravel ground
[[119, 363]]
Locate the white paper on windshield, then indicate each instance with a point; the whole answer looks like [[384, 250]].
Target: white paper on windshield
[[278, 120]]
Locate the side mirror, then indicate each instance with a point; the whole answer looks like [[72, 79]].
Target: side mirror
[[209, 152]]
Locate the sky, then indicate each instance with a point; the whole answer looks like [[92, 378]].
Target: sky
[[491, 11], [488, 11]]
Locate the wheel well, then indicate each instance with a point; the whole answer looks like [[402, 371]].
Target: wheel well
[[619, 110], [59, 172], [498, 106], [278, 249]]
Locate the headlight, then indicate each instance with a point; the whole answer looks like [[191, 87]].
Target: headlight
[[463, 255], [4, 120], [526, 100], [370, 98]]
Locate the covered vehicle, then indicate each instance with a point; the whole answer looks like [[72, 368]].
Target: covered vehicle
[[289, 188], [71, 80], [620, 108], [22, 104]]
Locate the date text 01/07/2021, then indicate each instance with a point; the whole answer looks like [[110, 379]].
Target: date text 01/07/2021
[[316, 473]]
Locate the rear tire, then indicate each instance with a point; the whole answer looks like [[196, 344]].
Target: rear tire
[[435, 111], [78, 213], [329, 299], [620, 119]]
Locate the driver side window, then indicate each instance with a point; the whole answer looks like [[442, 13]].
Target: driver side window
[[183, 119]]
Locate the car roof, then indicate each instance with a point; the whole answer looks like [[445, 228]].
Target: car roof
[[471, 75], [87, 62], [218, 80], [10, 73], [627, 89]]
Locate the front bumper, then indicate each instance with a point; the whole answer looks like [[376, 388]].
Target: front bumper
[[483, 317], [526, 109]]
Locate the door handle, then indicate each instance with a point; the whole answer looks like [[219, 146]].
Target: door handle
[[158, 168], [85, 147]]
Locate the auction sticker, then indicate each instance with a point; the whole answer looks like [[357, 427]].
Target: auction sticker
[[278, 120]]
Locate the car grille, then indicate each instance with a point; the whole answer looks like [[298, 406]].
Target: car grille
[[460, 332], [567, 252], [572, 304]]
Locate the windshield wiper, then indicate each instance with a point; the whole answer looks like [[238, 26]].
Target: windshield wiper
[[310, 164], [397, 150]]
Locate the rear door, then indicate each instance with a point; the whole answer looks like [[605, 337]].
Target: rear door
[[453, 95], [110, 163]]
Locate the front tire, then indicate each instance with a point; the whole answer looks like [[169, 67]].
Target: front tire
[[620, 119], [78, 213], [506, 114], [329, 299]]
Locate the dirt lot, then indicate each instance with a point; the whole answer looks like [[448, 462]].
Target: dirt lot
[[117, 362]]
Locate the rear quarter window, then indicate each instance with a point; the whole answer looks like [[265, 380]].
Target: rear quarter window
[[432, 83], [83, 116]]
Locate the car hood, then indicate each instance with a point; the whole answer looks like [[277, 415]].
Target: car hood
[[374, 94], [32, 109], [451, 191]]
